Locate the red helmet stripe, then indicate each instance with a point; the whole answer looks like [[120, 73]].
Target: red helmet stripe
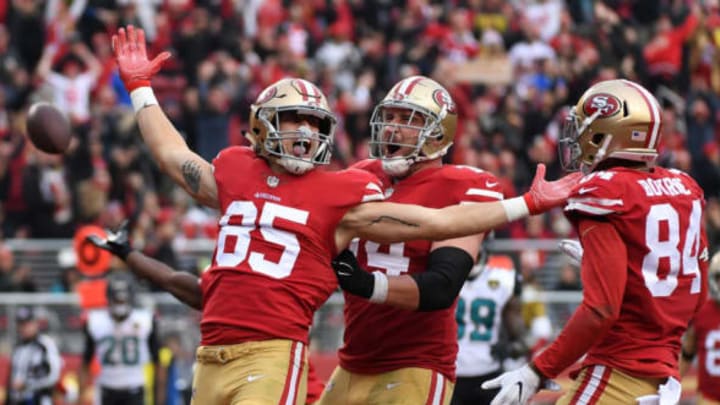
[[654, 114], [303, 89], [406, 86]]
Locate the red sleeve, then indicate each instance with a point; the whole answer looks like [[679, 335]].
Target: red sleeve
[[604, 274]]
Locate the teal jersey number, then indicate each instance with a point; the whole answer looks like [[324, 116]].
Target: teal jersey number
[[482, 315], [124, 351]]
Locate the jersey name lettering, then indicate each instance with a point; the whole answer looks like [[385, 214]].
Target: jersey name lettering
[[665, 186]]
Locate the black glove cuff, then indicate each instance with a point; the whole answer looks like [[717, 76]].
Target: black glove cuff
[[351, 277], [121, 251]]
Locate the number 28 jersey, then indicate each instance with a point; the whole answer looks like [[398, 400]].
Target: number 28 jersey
[[381, 338], [271, 266], [658, 216]]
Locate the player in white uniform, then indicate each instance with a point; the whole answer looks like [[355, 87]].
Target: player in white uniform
[[124, 340], [488, 307]]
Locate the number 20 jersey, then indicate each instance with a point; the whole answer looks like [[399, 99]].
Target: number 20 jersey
[[271, 267], [658, 216], [381, 338], [121, 347]]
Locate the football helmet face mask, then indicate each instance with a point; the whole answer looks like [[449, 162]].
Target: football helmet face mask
[[415, 122], [120, 296], [301, 149], [714, 277], [613, 119]]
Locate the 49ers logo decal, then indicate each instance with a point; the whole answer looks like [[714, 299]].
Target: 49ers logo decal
[[607, 104], [266, 95], [443, 99]]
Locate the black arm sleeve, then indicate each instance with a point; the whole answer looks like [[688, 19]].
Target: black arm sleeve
[[154, 343], [517, 291], [440, 283], [89, 351]]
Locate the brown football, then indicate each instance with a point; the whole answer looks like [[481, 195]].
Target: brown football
[[48, 128]]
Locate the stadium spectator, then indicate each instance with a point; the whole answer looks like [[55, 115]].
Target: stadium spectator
[[292, 131], [630, 352], [35, 363]]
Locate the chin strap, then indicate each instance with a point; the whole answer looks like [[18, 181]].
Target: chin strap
[[295, 166], [397, 167]]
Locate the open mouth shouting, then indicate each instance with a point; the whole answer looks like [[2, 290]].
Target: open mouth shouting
[[301, 147]]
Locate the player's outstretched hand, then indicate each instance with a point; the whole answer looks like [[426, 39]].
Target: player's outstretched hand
[[136, 69], [117, 242], [572, 249], [517, 386], [544, 195]]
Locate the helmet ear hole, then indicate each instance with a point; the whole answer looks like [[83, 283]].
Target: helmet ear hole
[[597, 139]]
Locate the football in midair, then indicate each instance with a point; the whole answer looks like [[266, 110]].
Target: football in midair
[[48, 128]]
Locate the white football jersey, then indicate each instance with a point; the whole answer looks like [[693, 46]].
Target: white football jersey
[[479, 316], [122, 348]]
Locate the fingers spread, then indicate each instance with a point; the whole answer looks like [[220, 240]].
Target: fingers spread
[[132, 37], [141, 41]]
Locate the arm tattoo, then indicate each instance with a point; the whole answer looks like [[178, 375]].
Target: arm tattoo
[[393, 219], [191, 173]]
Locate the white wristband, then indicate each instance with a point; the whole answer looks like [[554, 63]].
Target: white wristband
[[380, 291], [515, 208], [142, 97]]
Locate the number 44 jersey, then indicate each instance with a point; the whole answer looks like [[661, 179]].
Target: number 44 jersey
[[658, 216]]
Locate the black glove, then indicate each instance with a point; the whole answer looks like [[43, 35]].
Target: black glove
[[116, 243], [351, 277]]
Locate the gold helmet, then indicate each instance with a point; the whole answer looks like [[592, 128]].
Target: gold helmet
[[297, 96], [613, 119], [714, 276], [427, 98]]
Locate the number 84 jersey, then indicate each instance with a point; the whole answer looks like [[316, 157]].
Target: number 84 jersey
[[658, 216]]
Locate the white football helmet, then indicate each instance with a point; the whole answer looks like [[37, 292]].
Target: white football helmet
[[421, 96], [301, 97], [613, 119]]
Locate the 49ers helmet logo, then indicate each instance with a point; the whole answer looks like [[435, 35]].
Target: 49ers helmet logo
[[266, 95], [607, 104], [443, 99]]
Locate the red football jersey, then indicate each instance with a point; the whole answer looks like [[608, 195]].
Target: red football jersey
[[707, 338], [381, 338], [658, 215], [271, 266]]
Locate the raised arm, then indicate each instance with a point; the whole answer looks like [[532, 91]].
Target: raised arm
[[384, 222], [167, 146]]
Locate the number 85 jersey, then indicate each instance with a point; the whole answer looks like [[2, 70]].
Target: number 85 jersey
[[658, 217], [271, 267]]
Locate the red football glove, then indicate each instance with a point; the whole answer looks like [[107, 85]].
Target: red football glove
[[129, 50], [544, 195]]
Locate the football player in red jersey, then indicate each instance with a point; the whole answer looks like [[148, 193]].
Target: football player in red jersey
[[282, 223], [703, 339], [644, 264], [405, 351]]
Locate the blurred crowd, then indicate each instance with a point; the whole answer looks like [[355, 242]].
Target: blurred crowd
[[511, 66]]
